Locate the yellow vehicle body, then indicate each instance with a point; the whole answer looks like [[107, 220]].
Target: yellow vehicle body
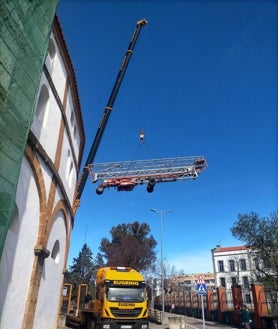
[[120, 299]]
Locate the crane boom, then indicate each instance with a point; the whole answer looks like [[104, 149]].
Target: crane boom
[[125, 175], [107, 112]]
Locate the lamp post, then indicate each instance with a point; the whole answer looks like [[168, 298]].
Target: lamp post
[[161, 212]]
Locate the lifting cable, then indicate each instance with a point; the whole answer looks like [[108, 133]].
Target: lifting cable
[[144, 98], [143, 107]]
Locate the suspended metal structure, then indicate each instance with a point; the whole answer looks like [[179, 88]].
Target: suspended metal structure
[[125, 175]]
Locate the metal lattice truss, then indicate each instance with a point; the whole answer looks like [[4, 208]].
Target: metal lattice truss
[[127, 174]]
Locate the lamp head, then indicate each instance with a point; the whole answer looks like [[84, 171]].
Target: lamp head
[[161, 211]]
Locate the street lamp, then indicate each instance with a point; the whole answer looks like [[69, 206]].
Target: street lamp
[[161, 212]]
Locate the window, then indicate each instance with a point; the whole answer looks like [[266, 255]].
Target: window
[[51, 50], [72, 119], [243, 264], [232, 265], [220, 266], [247, 299], [69, 169], [70, 174], [223, 282], [42, 104], [55, 252], [14, 226], [115, 294], [68, 164], [234, 281], [245, 282], [51, 55], [256, 263]]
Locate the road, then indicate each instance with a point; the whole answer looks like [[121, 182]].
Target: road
[[189, 323]]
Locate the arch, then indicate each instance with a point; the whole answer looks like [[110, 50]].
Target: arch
[[59, 208], [21, 238], [52, 273], [38, 175]]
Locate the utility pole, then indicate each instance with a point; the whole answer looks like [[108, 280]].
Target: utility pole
[[161, 212]]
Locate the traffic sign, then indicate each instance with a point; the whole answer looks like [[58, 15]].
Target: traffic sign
[[201, 289], [200, 279]]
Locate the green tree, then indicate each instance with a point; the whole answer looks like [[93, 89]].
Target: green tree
[[261, 235], [131, 245], [82, 270], [99, 262]]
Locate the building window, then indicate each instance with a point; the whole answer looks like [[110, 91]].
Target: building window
[[68, 164], [243, 264], [55, 252], [234, 281], [247, 299], [70, 174], [232, 265], [245, 282], [72, 119], [51, 55], [256, 263], [69, 170], [223, 282], [220, 266], [42, 104]]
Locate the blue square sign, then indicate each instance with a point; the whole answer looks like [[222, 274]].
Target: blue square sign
[[201, 289]]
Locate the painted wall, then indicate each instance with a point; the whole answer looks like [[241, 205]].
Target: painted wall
[[36, 246], [18, 255], [48, 299]]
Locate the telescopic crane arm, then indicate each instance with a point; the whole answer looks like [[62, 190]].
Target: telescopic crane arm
[[107, 112]]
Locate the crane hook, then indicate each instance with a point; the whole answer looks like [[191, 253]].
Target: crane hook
[[142, 136]]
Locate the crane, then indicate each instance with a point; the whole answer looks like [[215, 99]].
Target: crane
[[107, 112], [124, 176]]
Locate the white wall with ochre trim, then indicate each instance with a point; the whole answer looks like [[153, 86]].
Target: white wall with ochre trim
[[49, 294], [18, 255]]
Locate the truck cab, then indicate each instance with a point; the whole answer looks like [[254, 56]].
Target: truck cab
[[120, 299]]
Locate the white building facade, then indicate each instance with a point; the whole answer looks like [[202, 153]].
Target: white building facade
[[36, 246], [234, 266]]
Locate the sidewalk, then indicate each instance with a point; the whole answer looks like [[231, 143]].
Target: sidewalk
[[183, 321]]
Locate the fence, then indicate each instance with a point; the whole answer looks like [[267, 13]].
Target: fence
[[224, 306]]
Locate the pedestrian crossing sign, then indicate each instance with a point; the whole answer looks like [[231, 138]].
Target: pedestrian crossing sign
[[200, 279], [201, 289]]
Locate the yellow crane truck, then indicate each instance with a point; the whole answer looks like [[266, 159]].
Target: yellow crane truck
[[120, 301]]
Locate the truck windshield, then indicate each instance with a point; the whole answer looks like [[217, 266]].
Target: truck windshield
[[126, 294]]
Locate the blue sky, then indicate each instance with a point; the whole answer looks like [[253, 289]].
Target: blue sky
[[202, 81]]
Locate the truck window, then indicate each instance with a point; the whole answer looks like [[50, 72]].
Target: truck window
[[126, 294]]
